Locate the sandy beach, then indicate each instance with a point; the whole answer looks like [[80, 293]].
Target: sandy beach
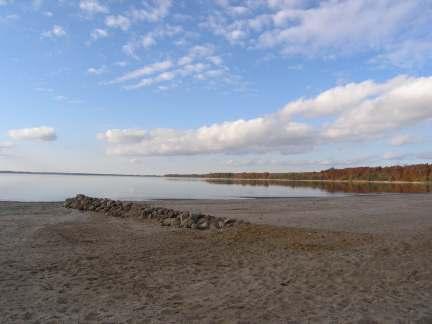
[[353, 259]]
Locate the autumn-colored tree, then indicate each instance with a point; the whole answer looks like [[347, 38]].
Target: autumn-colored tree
[[417, 172]]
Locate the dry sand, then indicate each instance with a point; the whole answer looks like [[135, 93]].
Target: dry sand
[[333, 260]]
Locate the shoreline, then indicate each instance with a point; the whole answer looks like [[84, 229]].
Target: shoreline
[[388, 212], [331, 195]]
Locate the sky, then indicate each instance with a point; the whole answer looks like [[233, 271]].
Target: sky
[[164, 86]]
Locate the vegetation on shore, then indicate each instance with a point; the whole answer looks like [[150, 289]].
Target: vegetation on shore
[[410, 173]]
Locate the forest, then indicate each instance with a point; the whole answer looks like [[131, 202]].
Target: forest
[[416, 172]]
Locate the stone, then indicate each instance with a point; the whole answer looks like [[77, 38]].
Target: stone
[[196, 217], [166, 222], [214, 223], [166, 216], [203, 225], [126, 206], [229, 222], [185, 220]]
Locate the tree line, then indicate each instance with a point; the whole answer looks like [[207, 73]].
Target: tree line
[[416, 172]]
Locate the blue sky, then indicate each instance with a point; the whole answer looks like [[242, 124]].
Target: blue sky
[[214, 85]]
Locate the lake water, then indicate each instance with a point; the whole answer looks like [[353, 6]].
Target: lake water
[[26, 187]]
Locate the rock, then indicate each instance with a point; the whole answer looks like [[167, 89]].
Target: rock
[[166, 222], [80, 197], [203, 225], [166, 216], [185, 220], [174, 222], [170, 222], [229, 222], [68, 202], [196, 217], [97, 203], [99, 209], [214, 223], [221, 224]]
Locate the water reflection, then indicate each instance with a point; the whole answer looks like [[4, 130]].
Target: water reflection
[[42, 187], [333, 187], [25, 187]]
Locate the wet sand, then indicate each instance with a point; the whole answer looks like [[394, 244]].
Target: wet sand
[[328, 260], [371, 213]]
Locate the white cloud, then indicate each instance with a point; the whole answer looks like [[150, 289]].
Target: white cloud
[[404, 104], [286, 4], [255, 135], [235, 32], [197, 52], [121, 63], [152, 13], [42, 133], [402, 139], [233, 10], [9, 18], [395, 30], [5, 145], [409, 54], [267, 162], [330, 25], [68, 100], [396, 156], [425, 156], [216, 60], [5, 148], [341, 98], [56, 31], [199, 63], [61, 98], [136, 161], [43, 89], [92, 7], [133, 46], [356, 111], [98, 33], [150, 39], [145, 70], [37, 4], [118, 21], [123, 135], [165, 76], [97, 71]]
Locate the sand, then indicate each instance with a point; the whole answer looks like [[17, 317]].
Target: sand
[[330, 260]]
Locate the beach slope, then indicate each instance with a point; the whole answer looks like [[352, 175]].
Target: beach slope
[[328, 260]]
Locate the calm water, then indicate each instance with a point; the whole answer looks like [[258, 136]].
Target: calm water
[[25, 187]]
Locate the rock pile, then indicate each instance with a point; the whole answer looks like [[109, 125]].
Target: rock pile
[[166, 216]]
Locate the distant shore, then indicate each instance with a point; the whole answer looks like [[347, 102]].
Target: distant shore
[[299, 180], [408, 173], [79, 174]]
